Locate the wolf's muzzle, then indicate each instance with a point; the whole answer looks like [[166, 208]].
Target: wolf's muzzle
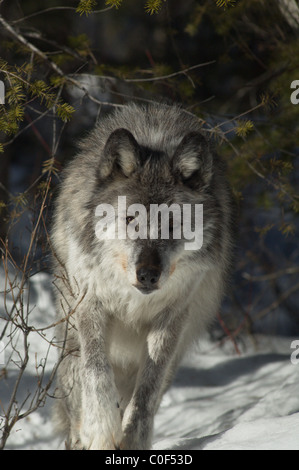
[[148, 270], [148, 278]]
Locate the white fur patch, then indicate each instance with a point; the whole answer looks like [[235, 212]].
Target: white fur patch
[[188, 164], [127, 161]]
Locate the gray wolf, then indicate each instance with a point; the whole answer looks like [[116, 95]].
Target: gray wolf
[[130, 308]]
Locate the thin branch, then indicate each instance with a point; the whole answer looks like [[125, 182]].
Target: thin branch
[[276, 185], [29, 126], [65, 49], [271, 276], [29, 45], [260, 105], [171, 75], [276, 302], [51, 64], [47, 10], [10, 423], [62, 320], [229, 334]]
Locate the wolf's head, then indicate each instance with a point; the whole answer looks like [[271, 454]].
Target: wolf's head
[[151, 204]]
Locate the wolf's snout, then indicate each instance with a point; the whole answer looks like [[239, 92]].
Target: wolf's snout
[[148, 277], [148, 270]]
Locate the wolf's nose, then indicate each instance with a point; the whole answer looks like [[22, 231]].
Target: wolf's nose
[[148, 276]]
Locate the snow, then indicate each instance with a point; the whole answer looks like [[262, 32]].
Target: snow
[[218, 401], [247, 402]]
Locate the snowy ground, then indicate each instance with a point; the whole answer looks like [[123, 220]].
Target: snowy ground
[[219, 400]]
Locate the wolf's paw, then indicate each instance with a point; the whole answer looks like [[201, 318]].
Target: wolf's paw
[[137, 434], [134, 441], [101, 431]]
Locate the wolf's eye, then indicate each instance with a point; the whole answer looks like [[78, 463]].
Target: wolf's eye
[[129, 219]]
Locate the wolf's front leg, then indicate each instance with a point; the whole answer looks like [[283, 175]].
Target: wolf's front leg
[[154, 375], [100, 427]]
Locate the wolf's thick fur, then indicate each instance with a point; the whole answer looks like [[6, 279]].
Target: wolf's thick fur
[[133, 307]]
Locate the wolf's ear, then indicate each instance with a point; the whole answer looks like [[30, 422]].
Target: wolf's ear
[[121, 150], [193, 160]]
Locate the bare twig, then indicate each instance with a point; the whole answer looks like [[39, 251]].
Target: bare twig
[[276, 302], [229, 334], [271, 276], [20, 38], [171, 75], [48, 10]]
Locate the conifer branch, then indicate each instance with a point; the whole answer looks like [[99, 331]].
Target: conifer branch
[[20, 38]]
